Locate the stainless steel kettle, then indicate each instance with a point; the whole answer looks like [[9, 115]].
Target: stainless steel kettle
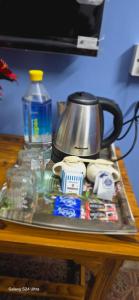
[[81, 127]]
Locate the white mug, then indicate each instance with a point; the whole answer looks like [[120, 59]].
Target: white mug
[[69, 164], [93, 169]]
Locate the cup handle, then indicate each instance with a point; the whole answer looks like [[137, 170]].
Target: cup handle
[[56, 166], [116, 175]]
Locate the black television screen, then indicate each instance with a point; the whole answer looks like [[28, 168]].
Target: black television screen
[[68, 26]]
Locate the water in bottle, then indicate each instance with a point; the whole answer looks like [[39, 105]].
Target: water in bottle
[[37, 112]]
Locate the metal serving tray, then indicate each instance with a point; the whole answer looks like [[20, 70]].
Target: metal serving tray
[[41, 217]]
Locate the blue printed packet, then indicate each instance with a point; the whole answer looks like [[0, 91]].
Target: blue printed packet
[[67, 206]]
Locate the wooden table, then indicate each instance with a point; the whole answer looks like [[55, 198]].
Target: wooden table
[[102, 254]]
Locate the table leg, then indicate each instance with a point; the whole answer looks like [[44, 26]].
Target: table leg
[[103, 279]]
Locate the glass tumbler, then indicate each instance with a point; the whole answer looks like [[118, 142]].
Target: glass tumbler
[[11, 172], [51, 182], [21, 190], [36, 160]]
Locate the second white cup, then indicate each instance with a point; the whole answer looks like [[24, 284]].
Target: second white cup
[[93, 169]]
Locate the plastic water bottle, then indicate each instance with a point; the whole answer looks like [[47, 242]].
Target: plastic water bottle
[[37, 112]]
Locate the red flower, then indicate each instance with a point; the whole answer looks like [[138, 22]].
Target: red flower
[[5, 72]]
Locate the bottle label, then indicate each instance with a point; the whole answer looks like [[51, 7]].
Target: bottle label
[[38, 122]]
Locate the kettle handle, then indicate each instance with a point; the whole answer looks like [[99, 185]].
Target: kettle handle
[[113, 108]]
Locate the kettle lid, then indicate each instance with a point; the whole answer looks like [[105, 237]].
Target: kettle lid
[[83, 98]]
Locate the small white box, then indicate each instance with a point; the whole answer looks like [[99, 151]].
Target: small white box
[[72, 182], [134, 70]]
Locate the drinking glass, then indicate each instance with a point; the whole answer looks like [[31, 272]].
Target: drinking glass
[[21, 190], [36, 160], [51, 182]]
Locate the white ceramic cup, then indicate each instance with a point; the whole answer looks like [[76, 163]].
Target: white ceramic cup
[[93, 169], [69, 164]]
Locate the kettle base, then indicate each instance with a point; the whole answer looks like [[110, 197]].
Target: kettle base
[[57, 155]]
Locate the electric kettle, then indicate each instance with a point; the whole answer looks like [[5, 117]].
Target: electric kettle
[[81, 126]]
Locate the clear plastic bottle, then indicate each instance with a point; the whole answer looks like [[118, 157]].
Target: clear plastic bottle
[[37, 112]]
